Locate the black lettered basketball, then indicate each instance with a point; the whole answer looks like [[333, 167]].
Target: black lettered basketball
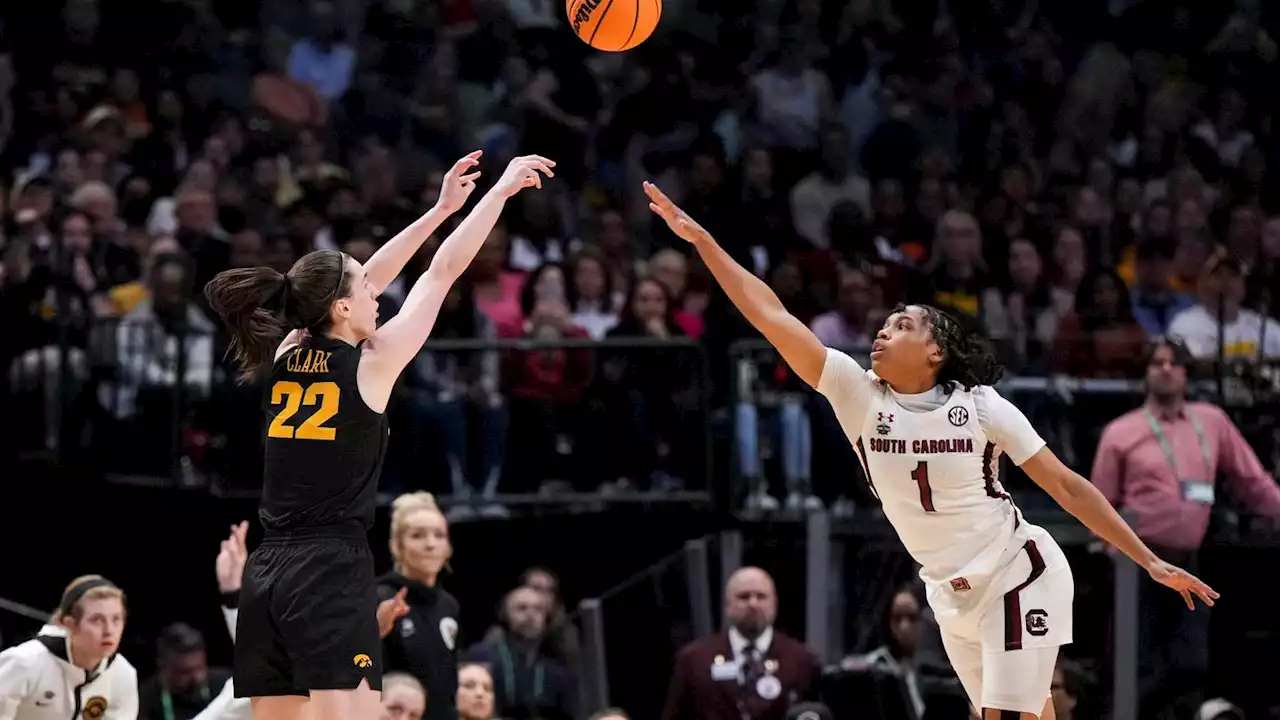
[[613, 25]]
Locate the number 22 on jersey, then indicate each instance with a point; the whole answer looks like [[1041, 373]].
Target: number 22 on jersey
[[293, 395]]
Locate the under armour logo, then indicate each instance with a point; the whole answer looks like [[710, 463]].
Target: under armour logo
[[881, 417]]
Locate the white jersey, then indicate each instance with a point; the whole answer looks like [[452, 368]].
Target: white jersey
[[933, 461]]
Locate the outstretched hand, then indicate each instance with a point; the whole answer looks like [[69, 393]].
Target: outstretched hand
[[1185, 583], [231, 559], [524, 172], [458, 183], [678, 220]]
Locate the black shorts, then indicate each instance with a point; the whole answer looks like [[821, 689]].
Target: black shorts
[[308, 615]]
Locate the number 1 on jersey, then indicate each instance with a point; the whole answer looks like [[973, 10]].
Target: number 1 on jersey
[[293, 395], [921, 476]]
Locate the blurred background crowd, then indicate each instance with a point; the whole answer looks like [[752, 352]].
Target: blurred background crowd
[[1072, 180]]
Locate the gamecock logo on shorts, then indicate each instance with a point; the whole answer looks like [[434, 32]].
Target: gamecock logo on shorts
[[1037, 622], [94, 708], [362, 661]]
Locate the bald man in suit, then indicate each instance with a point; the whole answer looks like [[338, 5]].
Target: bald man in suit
[[750, 671]]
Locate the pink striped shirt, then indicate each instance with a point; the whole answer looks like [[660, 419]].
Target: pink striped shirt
[[1134, 474]]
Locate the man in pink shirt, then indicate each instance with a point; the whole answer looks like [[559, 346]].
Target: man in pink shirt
[[1161, 463]]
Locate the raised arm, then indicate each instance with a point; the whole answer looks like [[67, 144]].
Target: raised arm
[[390, 259], [395, 343], [762, 308], [229, 567]]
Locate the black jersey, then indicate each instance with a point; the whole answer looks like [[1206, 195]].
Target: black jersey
[[324, 446]]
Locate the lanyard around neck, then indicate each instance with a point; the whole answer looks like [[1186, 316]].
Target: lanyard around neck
[[509, 674], [166, 701], [1167, 448]]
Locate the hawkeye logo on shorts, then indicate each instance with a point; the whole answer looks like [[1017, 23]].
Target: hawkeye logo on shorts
[[362, 661], [1037, 622], [95, 708]]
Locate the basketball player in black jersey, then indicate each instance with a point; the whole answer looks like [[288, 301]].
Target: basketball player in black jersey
[[307, 636]]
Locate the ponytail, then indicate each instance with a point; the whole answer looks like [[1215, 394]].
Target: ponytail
[[251, 302], [260, 304]]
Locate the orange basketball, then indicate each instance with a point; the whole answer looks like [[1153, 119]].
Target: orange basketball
[[613, 25]]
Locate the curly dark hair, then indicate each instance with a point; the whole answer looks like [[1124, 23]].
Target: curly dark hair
[[968, 360]]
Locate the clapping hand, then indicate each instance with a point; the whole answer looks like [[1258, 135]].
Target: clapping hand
[[231, 559], [391, 610], [458, 183]]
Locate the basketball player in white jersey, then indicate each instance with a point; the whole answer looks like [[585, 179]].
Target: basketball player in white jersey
[[929, 430]]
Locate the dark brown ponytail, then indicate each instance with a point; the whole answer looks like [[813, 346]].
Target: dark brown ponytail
[[260, 304]]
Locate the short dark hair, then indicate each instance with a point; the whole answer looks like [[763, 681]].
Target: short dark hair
[[1181, 355], [178, 639]]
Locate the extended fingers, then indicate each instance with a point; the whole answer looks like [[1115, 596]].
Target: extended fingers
[[1186, 597], [471, 159], [1206, 593], [540, 160], [469, 178], [656, 195], [539, 164], [662, 212]]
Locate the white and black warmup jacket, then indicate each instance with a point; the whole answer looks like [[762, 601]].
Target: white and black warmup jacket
[[38, 682]]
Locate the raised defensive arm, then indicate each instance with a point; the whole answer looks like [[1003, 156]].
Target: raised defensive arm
[[757, 302]]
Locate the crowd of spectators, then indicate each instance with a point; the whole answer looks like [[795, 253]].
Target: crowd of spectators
[[1064, 188], [1062, 182], [1071, 179]]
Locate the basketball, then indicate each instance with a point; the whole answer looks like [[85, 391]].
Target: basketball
[[613, 25]]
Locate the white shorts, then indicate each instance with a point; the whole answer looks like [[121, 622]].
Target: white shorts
[[1005, 648]]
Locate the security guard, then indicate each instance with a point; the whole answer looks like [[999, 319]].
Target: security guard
[[72, 669]]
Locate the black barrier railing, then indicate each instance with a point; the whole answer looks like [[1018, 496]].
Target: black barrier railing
[[627, 614], [579, 414], [129, 385]]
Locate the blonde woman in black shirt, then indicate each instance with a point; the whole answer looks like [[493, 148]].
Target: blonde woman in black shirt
[[420, 627]]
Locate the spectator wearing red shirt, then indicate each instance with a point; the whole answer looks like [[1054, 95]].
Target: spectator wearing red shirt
[[650, 394], [1161, 463], [544, 386]]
